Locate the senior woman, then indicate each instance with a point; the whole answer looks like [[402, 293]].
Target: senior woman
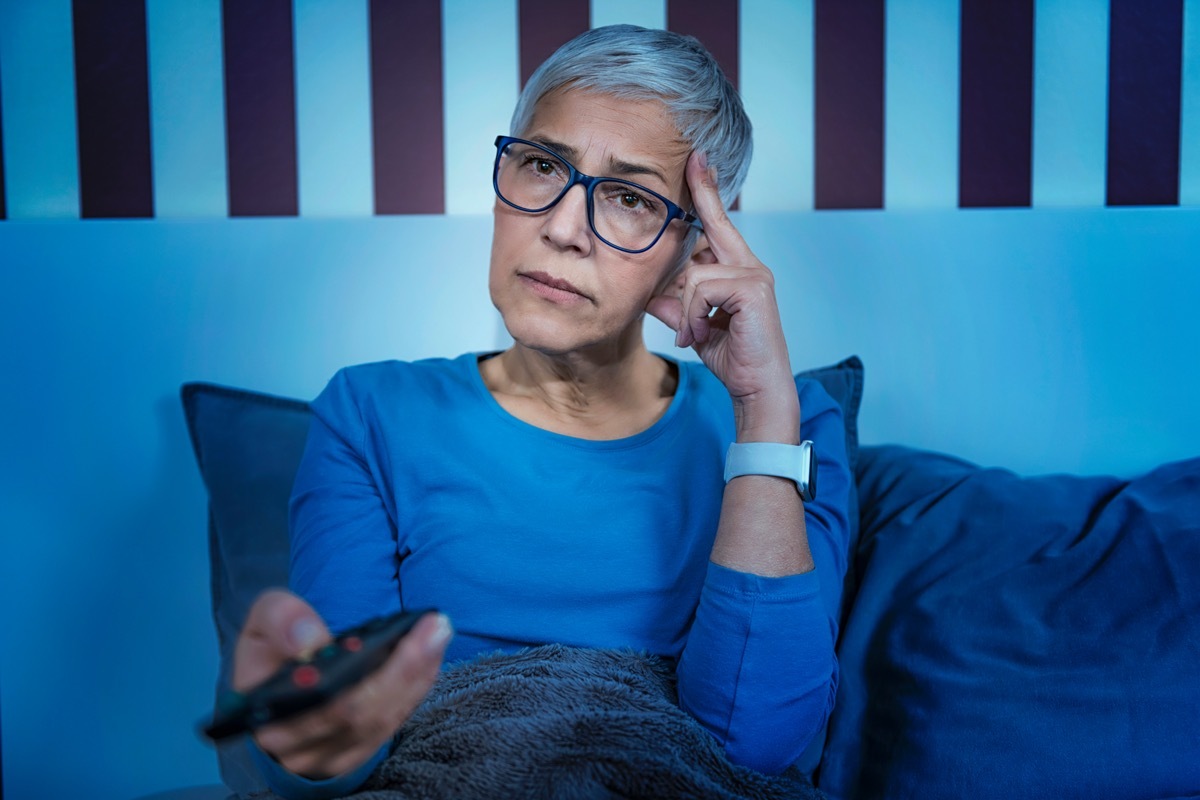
[[572, 488]]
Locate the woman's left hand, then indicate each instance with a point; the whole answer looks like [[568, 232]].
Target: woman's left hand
[[728, 314]]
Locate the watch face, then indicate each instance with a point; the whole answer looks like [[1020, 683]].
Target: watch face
[[808, 492]]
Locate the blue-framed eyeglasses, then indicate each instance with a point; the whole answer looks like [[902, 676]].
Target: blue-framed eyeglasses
[[622, 214]]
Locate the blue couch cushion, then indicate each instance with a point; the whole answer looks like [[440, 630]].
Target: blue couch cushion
[[1019, 636]]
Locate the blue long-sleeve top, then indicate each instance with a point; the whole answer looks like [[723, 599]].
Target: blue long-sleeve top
[[417, 489]]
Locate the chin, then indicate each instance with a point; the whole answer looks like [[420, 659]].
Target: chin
[[542, 335], [537, 325]]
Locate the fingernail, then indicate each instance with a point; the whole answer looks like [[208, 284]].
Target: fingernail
[[441, 634], [305, 634], [703, 159]]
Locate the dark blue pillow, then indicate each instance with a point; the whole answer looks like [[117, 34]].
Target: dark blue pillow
[[1019, 637], [248, 447], [844, 383]]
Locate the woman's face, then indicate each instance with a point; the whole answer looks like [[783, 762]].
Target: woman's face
[[558, 287]]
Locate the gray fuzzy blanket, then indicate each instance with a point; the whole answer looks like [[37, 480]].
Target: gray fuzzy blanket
[[563, 723]]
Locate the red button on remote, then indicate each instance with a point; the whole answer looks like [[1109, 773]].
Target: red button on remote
[[352, 643], [306, 676]]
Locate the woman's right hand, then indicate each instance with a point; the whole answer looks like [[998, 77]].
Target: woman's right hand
[[346, 732]]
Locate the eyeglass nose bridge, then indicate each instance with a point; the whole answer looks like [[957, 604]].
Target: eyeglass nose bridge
[[578, 178], [589, 184]]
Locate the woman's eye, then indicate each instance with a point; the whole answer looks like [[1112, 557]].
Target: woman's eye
[[629, 200], [545, 167]]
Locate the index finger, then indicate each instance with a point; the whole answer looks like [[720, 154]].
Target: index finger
[[726, 242]]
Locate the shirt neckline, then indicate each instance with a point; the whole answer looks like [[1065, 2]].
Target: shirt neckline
[[469, 362]]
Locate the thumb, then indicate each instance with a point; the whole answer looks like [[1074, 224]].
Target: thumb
[[667, 309], [280, 626]]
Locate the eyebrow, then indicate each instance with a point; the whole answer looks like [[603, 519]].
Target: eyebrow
[[619, 167]]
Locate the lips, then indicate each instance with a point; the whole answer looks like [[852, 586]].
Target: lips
[[553, 283]]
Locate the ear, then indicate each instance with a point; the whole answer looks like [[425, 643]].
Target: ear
[[672, 284], [702, 253], [675, 287]]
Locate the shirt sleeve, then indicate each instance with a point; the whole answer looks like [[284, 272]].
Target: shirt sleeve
[[293, 787], [344, 552], [758, 669], [341, 536]]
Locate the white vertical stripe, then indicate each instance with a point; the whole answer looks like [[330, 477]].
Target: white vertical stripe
[[775, 42], [647, 13], [481, 75], [921, 104], [1189, 127], [187, 108], [1070, 102], [41, 155], [333, 108]]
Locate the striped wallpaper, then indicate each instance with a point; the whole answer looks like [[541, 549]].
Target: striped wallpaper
[[203, 108]]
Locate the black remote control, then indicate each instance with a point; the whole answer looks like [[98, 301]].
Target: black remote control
[[299, 685]]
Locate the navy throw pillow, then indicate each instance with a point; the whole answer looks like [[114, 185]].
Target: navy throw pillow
[[1019, 637], [248, 447]]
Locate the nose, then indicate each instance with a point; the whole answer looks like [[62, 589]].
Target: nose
[[566, 224]]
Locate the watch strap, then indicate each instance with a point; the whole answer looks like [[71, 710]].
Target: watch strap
[[794, 462]]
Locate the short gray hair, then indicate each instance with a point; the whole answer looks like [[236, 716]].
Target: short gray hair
[[649, 64]]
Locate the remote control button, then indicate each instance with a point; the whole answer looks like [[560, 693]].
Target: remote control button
[[328, 651], [306, 676], [352, 643]]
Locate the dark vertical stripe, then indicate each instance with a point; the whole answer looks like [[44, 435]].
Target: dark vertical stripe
[[848, 103], [1144, 94], [406, 106], [545, 25], [112, 102], [714, 23], [3, 207], [260, 107], [995, 151]]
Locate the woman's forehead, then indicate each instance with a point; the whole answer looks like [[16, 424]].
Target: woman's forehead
[[613, 130]]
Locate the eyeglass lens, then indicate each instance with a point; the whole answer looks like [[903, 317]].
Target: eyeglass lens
[[533, 179]]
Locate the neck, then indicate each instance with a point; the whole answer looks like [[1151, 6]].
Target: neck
[[606, 391]]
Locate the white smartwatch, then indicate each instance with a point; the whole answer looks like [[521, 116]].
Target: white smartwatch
[[794, 462]]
